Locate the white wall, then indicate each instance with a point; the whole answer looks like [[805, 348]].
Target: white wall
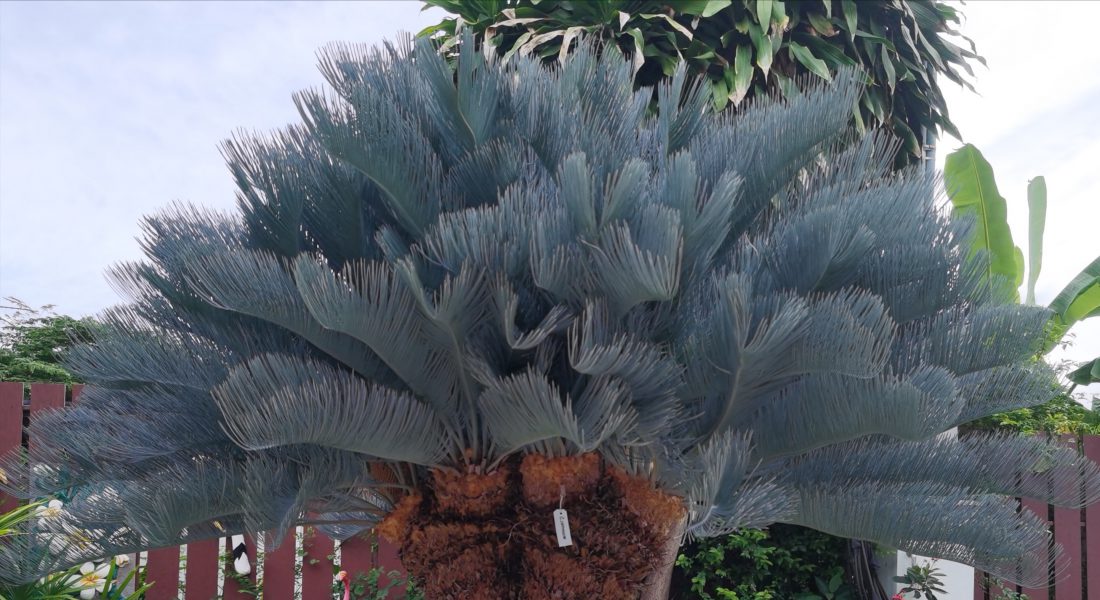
[[958, 579]]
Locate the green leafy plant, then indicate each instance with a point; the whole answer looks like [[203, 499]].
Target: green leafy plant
[[116, 588], [782, 561], [10, 521], [53, 586], [749, 48], [921, 581], [32, 341], [71, 584], [369, 586], [834, 588]]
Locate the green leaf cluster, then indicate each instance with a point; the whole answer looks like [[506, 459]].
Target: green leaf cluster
[[749, 48], [922, 581], [369, 586], [1062, 415], [783, 561], [33, 340]]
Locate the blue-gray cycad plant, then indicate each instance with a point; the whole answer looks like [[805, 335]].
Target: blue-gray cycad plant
[[440, 270]]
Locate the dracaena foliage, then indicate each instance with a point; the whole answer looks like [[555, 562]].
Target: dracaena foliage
[[749, 48], [447, 268]]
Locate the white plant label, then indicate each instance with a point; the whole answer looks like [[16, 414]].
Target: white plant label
[[561, 526]]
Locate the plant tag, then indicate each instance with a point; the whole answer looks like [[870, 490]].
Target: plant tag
[[561, 526]]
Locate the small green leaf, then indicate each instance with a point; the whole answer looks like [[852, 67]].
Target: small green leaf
[[1036, 225], [639, 48], [764, 12], [520, 41], [691, 7], [742, 74], [811, 62], [851, 17], [832, 55], [719, 94], [779, 15], [888, 66], [675, 25], [861, 128], [908, 138], [786, 86], [714, 7], [763, 44], [821, 24]]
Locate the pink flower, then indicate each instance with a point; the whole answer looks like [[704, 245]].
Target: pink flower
[[897, 597]]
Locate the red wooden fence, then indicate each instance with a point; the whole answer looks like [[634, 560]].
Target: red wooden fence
[[200, 575], [1078, 531], [1077, 572]]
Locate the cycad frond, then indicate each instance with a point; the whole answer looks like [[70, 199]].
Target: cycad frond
[[441, 270]]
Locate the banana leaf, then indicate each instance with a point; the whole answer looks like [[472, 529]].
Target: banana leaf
[[973, 190], [1078, 300], [1037, 222]]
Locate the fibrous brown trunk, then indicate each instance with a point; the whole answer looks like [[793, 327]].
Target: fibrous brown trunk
[[491, 536]]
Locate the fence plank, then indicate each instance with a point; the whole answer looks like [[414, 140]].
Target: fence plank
[[11, 429], [356, 555], [233, 589], [163, 571], [202, 570], [77, 389], [279, 570], [1091, 445], [1067, 533], [388, 560], [1040, 509], [988, 589], [979, 585], [316, 566], [46, 396]]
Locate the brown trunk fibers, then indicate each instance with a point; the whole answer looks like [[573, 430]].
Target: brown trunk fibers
[[491, 536]]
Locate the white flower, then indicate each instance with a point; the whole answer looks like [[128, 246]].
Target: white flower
[[122, 560], [52, 510], [92, 579]]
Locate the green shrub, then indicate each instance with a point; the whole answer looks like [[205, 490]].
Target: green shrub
[[758, 564]]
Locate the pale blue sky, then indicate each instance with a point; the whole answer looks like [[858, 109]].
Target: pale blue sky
[[109, 111]]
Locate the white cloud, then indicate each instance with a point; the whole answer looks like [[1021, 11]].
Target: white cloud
[[111, 111]]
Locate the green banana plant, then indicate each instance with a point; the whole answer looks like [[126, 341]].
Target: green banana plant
[[972, 187], [973, 191]]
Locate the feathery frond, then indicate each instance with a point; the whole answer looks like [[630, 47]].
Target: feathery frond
[[443, 269]]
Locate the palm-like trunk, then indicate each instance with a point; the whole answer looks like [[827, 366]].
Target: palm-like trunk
[[491, 536]]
